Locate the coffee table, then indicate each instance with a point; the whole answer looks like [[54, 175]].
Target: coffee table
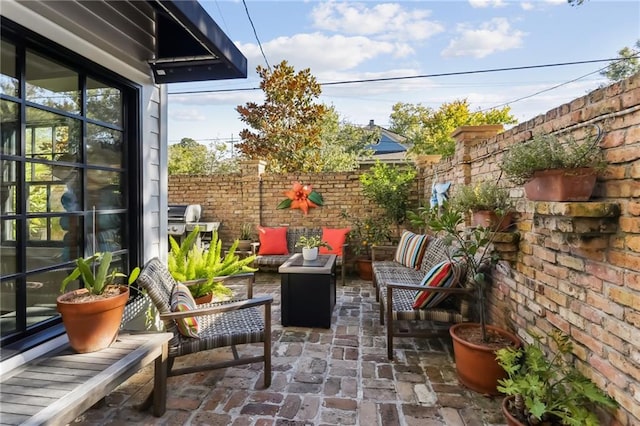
[[308, 291]]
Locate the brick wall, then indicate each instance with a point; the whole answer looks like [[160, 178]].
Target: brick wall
[[577, 266], [251, 196]]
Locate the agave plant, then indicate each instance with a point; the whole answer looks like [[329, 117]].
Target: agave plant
[[96, 281]]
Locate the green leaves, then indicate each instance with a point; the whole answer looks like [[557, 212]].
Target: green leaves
[[551, 386], [96, 283]]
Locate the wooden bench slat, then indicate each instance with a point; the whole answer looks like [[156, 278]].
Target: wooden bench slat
[[12, 419], [44, 370], [87, 367], [31, 390], [43, 384], [22, 409], [34, 375]]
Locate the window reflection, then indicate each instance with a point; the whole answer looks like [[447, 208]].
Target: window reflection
[[9, 82], [42, 290], [104, 103], [49, 136], [8, 178], [7, 306], [51, 84], [8, 247], [8, 127], [104, 146]]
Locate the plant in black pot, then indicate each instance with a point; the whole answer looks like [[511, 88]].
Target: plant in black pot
[[474, 344], [92, 315], [555, 169], [548, 390]]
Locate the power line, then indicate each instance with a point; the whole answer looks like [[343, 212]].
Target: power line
[[552, 87], [255, 33], [372, 80]]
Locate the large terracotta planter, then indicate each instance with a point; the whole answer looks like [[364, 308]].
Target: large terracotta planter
[[476, 364], [92, 326], [365, 269], [561, 185]]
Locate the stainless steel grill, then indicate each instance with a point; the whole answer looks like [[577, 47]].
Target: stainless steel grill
[[183, 218]]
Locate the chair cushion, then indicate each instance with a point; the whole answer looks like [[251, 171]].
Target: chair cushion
[[336, 238], [272, 240], [182, 301], [411, 249], [445, 274]]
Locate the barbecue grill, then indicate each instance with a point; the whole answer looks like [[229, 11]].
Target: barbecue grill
[[183, 218]]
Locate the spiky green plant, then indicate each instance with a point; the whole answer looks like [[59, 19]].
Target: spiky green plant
[[188, 261], [94, 280]]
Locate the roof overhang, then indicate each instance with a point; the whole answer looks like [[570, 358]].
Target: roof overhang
[[190, 46]]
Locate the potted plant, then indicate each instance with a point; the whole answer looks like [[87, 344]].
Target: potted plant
[[246, 237], [545, 390], [389, 187], [310, 246], [554, 169], [199, 267], [365, 233], [488, 202], [92, 315], [474, 344]]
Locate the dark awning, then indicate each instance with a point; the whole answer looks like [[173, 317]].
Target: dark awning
[[191, 46]]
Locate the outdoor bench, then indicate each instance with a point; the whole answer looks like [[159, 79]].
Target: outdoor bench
[[55, 387], [396, 288], [273, 261]]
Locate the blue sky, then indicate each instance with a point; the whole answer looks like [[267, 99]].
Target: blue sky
[[344, 41]]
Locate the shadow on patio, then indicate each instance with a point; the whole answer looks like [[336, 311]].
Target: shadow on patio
[[337, 376]]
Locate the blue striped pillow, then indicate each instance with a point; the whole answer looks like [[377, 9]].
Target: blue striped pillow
[[411, 249], [182, 301]]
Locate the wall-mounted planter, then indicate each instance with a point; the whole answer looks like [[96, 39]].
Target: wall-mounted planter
[[561, 185]]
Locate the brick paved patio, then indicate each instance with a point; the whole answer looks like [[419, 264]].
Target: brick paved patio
[[337, 376]]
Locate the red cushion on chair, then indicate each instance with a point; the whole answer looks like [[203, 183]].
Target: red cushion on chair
[[335, 237], [272, 240]]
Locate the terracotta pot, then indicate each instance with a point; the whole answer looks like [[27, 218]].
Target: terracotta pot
[[244, 245], [207, 298], [476, 364], [93, 325], [490, 219], [511, 421], [561, 185], [365, 270]]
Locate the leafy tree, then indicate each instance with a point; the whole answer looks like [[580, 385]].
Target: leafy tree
[[343, 143], [627, 64], [288, 125], [188, 157], [429, 130]]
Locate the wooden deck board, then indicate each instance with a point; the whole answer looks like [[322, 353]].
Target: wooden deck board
[[27, 394]]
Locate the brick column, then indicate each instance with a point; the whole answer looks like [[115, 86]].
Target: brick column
[[466, 137]]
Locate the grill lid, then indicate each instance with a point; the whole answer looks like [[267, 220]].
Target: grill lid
[[184, 213]]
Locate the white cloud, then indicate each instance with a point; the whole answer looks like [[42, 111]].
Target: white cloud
[[487, 3], [321, 53], [525, 5], [490, 37], [383, 21], [187, 114]]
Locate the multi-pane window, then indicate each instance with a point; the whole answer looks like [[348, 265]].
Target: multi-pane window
[[63, 180]]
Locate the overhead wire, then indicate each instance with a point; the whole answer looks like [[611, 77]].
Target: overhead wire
[[446, 74], [255, 33]]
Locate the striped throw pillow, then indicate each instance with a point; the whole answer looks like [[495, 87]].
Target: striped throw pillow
[[182, 301], [445, 274], [411, 249]]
